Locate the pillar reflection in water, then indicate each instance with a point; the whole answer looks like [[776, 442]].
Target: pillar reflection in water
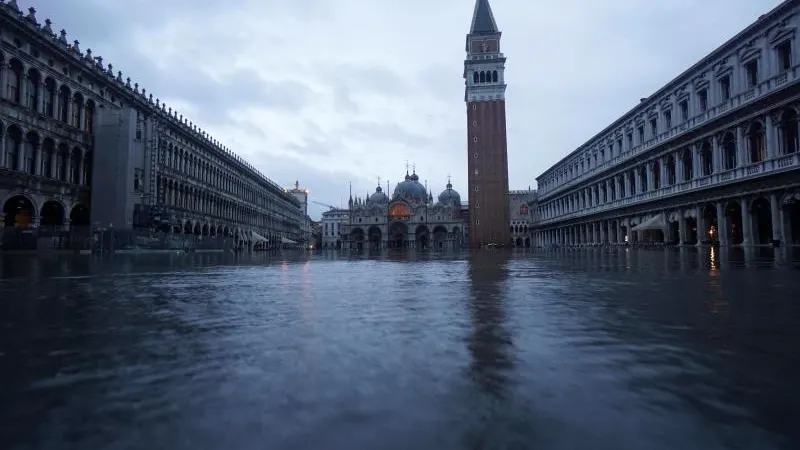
[[489, 343]]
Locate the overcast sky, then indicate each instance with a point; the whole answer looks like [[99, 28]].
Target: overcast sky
[[332, 91]]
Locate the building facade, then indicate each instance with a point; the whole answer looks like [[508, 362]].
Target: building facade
[[332, 224], [484, 94], [301, 194], [408, 219], [712, 157], [521, 207], [83, 146]]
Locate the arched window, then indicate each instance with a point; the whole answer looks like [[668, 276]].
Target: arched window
[[494, 76], [14, 81]]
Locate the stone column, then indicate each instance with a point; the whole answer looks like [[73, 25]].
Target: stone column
[[697, 162], [37, 163], [637, 180], [722, 225], [626, 178], [21, 154], [741, 152], [678, 168], [23, 89], [650, 180], [41, 106], [3, 145], [769, 137], [3, 78], [701, 226], [746, 222], [716, 155], [620, 238], [777, 218], [681, 228]]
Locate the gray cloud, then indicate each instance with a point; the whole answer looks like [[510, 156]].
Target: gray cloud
[[336, 80]]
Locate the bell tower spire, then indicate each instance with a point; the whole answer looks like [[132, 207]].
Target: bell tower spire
[[487, 154]]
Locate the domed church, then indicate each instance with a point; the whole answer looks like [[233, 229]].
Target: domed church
[[409, 219]]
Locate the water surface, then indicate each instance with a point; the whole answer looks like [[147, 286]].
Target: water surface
[[686, 349]]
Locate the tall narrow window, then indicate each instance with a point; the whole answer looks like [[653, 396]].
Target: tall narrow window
[[751, 72], [684, 105], [640, 131], [668, 119], [784, 55], [653, 127], [725, 88], [702, 100]]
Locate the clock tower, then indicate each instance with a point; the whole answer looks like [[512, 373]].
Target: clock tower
[[484, 95]]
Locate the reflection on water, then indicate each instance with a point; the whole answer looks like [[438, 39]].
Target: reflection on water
[[489, 342], [614, 349]]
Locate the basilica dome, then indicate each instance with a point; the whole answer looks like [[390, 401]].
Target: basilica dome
[[450, 196], [411, 188], [378, 198]]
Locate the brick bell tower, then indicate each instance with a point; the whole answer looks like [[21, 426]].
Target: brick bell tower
[[484, 95]]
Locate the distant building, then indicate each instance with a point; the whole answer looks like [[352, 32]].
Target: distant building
[[408, 219], [521, 206], [332, 224]]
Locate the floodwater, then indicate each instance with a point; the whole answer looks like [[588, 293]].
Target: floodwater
[[615, 349]]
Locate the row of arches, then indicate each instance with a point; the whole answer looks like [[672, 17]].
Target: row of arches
[[484, 76], [183, 196], [753, 140], [687, 164], [31, 89], [31, 153], [761, 220], [398, 237], [210, 171], [20, 211]]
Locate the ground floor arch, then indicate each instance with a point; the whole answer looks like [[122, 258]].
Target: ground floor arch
[[357, 236], [761, 220], [19, 212], [374, 236], [398, 235], [422, 237], [79, 216], [52, 214], [439, 237]]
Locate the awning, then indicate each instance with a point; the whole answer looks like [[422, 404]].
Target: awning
[[287, 241], [259, 238], [653, 223]]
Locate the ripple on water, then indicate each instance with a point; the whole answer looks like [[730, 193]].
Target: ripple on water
[[623, 350]]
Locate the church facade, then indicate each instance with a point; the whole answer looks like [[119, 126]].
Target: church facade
[[409, 219]]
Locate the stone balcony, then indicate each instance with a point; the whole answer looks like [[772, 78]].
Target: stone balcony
[[761, 169], [768, 86]]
